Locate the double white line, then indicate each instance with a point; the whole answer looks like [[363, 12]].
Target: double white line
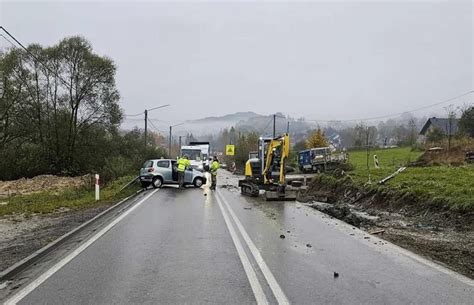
[[250, 272]]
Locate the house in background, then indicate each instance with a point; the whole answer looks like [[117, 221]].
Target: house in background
[[447, 126]]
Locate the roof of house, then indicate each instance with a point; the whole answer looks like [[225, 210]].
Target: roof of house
[[447, 126]]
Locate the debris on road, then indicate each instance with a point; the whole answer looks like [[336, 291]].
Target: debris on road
[[344, 212], [336, 274], [377, 232], [401, 169], [432, 231], [247, 208], [282, 236], [308, 245]]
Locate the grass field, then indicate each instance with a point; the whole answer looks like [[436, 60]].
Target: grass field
[[81, 198], [452, 185]]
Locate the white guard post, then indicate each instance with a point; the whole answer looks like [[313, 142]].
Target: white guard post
[[97, 187], [376, 162]]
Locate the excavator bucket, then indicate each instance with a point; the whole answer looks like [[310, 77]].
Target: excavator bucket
[[287, 195]]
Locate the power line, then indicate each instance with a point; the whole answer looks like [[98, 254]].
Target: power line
[[8, 40], [35, 57], [158, 120], [154, 127], [399, 113], [140, 119], [266, 126], [141, 113]]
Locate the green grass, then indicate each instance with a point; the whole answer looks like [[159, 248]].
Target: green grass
[[453, 186], [74, 199]]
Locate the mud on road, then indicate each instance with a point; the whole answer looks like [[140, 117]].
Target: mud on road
[[443, 235]]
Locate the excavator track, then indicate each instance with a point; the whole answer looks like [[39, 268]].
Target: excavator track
[[249, 189]]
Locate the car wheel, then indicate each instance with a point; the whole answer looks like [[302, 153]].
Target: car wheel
[[145, 184], [157, 182], [198, 182]]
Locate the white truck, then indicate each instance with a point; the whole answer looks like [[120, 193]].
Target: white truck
[[198, 153]]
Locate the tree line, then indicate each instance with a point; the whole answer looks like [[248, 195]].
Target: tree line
[[60, 114]]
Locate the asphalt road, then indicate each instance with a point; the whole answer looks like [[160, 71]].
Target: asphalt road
[[195, 246]]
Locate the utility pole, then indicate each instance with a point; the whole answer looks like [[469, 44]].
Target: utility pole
[[274, 125], [179, 145], [169, 148], [171, 135], [146, 120], [288, 127], [146, 126]]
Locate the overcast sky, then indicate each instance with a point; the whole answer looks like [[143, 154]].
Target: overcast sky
[[319, 60]]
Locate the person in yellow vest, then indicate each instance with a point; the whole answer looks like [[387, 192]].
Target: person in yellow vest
[[214, 167], [183, 163]]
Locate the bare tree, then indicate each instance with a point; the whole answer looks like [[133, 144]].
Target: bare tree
[[451, 112]]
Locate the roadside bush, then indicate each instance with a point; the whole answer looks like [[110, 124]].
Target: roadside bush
[[116, 167]]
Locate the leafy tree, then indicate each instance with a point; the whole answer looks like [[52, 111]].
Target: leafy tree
[[245, 144], [466, 122], [317, 139], [60, 115], [359, 135], [299, 146]]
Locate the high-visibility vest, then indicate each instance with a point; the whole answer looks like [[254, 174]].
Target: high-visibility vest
[[182, 164], [214, 167]]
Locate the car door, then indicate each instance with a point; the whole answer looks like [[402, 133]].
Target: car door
[[188, 175], [164, 168], [174, 171]]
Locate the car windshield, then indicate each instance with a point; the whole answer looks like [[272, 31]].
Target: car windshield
[[319, 151], [193, 154]]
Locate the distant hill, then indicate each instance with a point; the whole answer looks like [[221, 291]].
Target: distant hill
[[243, 121], [215, 124], [248, 122], [234, 118], [264, 125]]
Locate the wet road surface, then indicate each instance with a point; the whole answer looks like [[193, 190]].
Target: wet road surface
[[195, 246]]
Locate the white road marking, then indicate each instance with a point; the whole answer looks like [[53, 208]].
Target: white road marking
[[251, 275], [42, 278], [272, 282]]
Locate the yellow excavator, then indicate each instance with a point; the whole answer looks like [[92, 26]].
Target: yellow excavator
[[265, 170]]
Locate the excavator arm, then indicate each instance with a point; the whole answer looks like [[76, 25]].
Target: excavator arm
[[277, 148]]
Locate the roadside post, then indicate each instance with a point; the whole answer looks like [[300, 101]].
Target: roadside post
[[376, 162], [97, 190]]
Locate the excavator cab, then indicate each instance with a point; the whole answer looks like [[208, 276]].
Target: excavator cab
[[265, 170]]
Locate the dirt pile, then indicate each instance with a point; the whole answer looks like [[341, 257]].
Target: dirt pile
[[41, 183], [456, 156]]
